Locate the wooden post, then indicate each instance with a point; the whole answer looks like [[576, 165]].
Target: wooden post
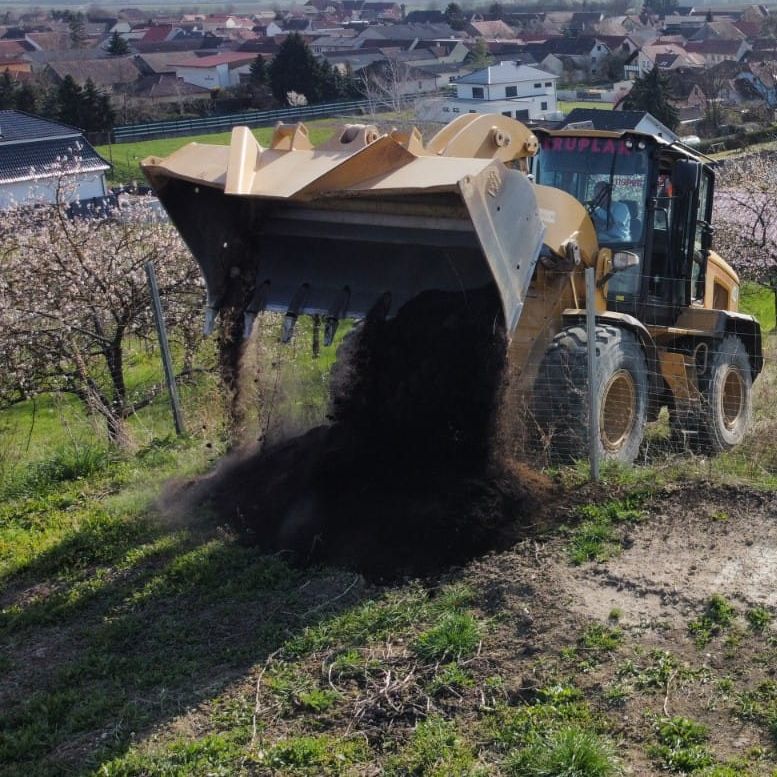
[[167, 361]]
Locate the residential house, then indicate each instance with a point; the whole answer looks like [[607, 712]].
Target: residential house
[[159, 33], [381, 11], [425, 17], [617, 121], [720, 30], [508, 88], [495, 30], [163, 89], [423, 33], [218, 22], [109, 74], [574, 59], [42, 159], [761, 78], [715, 50], [164, 62], [664, 56], [218, 71]]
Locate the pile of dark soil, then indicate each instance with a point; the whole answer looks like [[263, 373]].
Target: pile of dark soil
[[404, 481]]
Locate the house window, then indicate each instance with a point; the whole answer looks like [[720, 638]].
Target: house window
[[446, 109], [543, 106], [477, 92], [455, 110], [548, 84], [538, 86], [506, 113], [473, 111], [511, 91]]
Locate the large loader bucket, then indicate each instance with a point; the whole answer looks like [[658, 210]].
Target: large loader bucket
[[363, 223]]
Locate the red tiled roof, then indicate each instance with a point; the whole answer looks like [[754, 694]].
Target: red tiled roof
[[158, 33], [13, 48]]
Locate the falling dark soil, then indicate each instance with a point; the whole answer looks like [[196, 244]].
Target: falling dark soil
[[405, 480]]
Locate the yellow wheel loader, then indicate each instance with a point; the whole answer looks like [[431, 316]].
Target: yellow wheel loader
[[367, 224]]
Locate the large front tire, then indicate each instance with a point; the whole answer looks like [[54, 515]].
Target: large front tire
[[560, 402]]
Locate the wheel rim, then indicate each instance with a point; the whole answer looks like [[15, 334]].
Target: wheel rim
[[732, 398], [616, 418]]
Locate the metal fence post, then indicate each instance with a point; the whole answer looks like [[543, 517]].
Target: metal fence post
[[167, 360], [593, 399]]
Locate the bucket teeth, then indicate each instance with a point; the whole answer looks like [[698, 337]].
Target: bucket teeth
[[257, 304], [210, 320], [337, 310], [292, 314], [380, 310]]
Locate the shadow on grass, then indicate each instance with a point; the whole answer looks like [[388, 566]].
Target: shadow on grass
[[171, 625]]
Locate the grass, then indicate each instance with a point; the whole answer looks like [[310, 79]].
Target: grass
[[717, 617], [126, 157], [596, 537], [435, 749], [681, 745], [568, 105], [456, 635], [570, 751], [758, 618]]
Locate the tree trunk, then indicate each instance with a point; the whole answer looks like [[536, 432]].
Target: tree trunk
[[774, 292], [114, 356], [97, 402]]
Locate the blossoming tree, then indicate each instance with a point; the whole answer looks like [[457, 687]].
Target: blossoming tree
[[73, 295], [746, 218]]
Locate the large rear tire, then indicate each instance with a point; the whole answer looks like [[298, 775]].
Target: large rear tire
[[726, 397], [719, 420], [560, 401]]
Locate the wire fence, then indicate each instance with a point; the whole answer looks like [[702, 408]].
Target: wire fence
[[662, 380], [199, 126]]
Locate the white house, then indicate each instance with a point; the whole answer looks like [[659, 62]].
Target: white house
[[41, 160], [217, 71], [509, 88]]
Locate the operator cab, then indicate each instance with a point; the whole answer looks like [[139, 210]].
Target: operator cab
[[647, 197]]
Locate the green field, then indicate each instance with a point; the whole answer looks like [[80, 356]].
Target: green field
[[567, 105], [126, 157]]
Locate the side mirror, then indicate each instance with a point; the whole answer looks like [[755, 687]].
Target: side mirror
[[622, 260]]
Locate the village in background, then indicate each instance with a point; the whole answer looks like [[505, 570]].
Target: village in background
[[705, 73]]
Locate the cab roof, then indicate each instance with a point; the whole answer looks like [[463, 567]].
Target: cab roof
[[677, 147]]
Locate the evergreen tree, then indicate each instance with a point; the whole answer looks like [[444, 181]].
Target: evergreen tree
[[652, 93], [117, 46], [296, 69], [661, 7], [27, 99], [69, 97], [7, 91], [96, 111], [480, 56], [455, 16], [258, 72], [77, 30]]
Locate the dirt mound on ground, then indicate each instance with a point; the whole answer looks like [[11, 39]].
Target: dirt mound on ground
[[404, 481]]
